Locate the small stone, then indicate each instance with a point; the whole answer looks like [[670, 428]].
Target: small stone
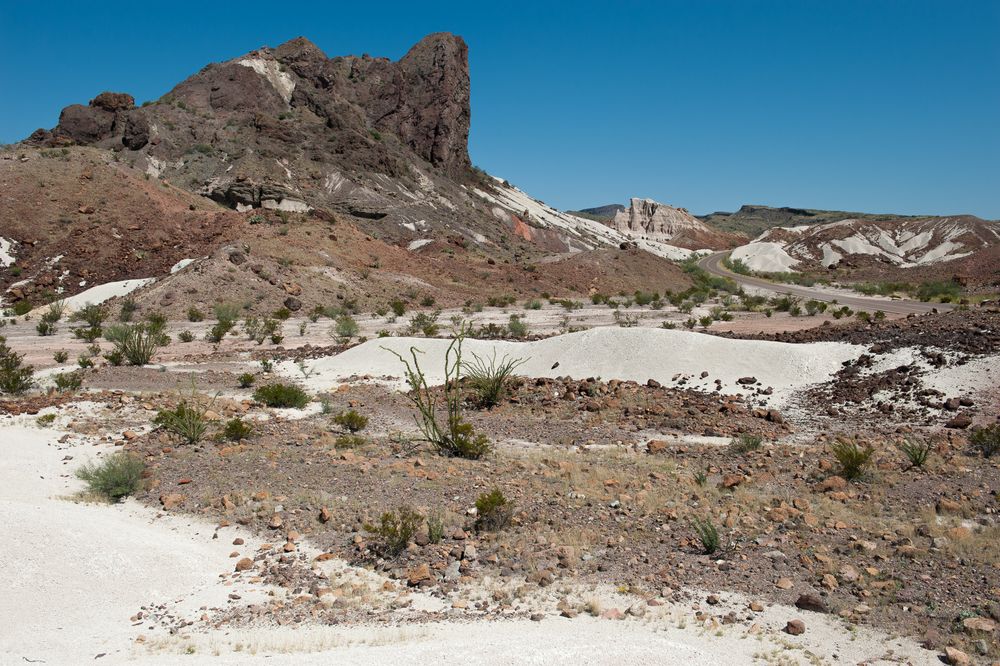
[[275, 522], [613, 614], [756, 607], [732, 480], [810, 602], [537, 617], [172, 500], [655, 446], [956, 657], [974, 625], [324, 515], [238, 541], [784, 584], [244, 564]]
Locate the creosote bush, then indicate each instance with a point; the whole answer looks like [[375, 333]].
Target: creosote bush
[[493, 511], [115, 477], [236, 429], [68, 381], [394, 531], [281, 395], [852, 459], [246, 380], [351, 420]]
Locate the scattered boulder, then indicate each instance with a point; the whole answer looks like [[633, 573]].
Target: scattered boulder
[[795, 627]]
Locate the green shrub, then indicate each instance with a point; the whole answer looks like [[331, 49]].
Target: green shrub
[[15, 378], [351, 420], [22, 308], [45, 420], [916, 451], [435, 528], [227, 313], [493, 511], [986, 440], [115, 477], [187, 420], [218, 331], [534, 304], [246, 380], [745, 442], [137, 344], [424, 323], [68, 381], [345, 327], [45, 327], [707, 534], [394, 531], [282, 314], [61, 356], [349, 442], [185, 336], [87, 362], [517, 327], [194, 314], [427, 301], [489, 379], [236, 429], [128, 309], [281, 395], [852, 459], [398, 307]]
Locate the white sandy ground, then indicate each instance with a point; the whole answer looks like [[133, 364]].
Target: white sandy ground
[[76, 572], [6, 252], [103, 292], [635, 354]]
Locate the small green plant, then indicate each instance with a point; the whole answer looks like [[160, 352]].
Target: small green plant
[[236, 429], [138, 343], [246, 380], [115, 477], [489, 379], [22, 308], [707, 534], [745, 442], [46, 420], [398, 307], [394, 531], [68, 381], [916, 451], [61, 356], [185, 336], [351, 420], [15, 377], [852, 459], [345, 327], [533, 304], [194, 314], [986, 440], [517, 327], [349, 442], [281, 395], [187, 420], [128, 309], [435, 528], [493, 511], [700, 478], [424, 323]]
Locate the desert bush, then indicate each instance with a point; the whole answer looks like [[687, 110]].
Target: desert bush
[[500, 301], [394, 531], [85, 361], [398, 307], [745, 442], [427, 301], [489, 378], [22, 308], [128, 309], [187, 420], [435, 528], [45, 327], [852, 459], [700, 478], [185, 336], [46, 420], [227, 313], [194, 314], [218, 331], [349, 442], [281, 395], [351, 421], [61, 356], [236, 429], [493, 511], [707, 534], [15, 377], [68, 381], [916, 451], [456, 438], [424, 323], [246, 380], [517, 327], [986, 440], [115, 477], [137, 344], [345, 327], [533, 304]]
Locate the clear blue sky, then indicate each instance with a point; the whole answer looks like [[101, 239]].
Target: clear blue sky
[[874, 105]]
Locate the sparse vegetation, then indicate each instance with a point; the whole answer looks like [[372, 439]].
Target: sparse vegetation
[[281, 396], [117, 476], [394, 530], [187, 420], [986, 440], [246, 380], [351, 421], [493, 511], [68, 381], [745, 442], [707, 534], [916, 451], [15, 377], [852, 459], [489, 378], [236, 429], [457, 437]]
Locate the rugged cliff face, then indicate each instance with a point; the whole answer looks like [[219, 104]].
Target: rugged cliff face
[[651, 220]]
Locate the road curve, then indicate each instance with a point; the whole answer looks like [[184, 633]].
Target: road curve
[[713, 264]]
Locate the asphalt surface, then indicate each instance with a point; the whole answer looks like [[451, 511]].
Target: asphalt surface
[[713, 264]]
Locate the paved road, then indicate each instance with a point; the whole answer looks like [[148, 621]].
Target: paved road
[[713, 264]]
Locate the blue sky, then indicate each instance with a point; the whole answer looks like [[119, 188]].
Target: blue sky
[[880, 106]]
